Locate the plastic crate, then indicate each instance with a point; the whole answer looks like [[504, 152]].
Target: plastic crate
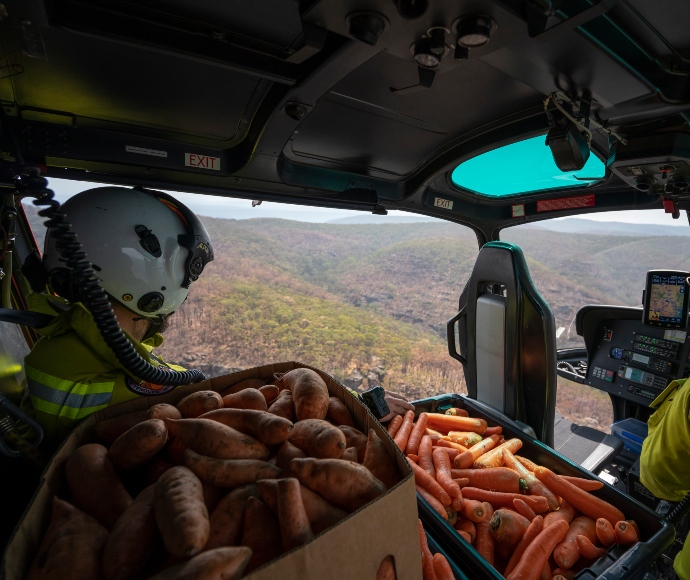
[[618, 563], [632, 433]]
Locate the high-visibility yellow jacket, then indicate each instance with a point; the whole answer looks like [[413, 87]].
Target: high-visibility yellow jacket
[[72, 373], [665, 460]]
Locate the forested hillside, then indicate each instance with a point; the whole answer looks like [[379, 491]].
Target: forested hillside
[[369, 303]]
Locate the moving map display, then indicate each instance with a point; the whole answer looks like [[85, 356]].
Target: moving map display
[[666, 299]]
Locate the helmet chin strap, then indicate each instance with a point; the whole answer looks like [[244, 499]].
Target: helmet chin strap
[[156, 323]]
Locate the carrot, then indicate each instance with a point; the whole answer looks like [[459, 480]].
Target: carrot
[[534, 486], [261, 533], [494, 458], [465, 536], [498, 499], [442, 568], [199, 403], [426, 461], [537, 553], [457, 412], [508, 527], [433, 502], [528, 464], [283, 406], [567, 552], [379, 462], [545, 573], [227, 519], [523, 509], [229, 473], [493, 431], [560, 574], [442, 466], [435, 435], [309, 393], [355, 438], [588, 550], [464, 438], [625, 533], [467, 458], [485, 541], [338, 413], [493, 478], [450, 445], [405, 430], [163, 411], [565, 513], [394, 425], [214, 439], [294, 523], [417, 433], [462, 524], [181, 515], [245, 399], [427, 559], [318, 438], [458, 503], [138, 445], [345, 484], [270, 392], [605, 532], [451, 423], [423, 479], [96, 488], [475, 511], [586, 484], [71, 547], [451, 453], [532, 531], [581, 500], [262, 425]]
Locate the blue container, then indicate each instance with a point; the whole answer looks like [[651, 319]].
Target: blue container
[[631, 432]]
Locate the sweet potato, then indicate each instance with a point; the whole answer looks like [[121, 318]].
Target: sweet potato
[[225, 563], [283, 406], [230, 473], [345, 484], [96, 488], [292, 517], [338, 413], [379, 462], [286, 453], [318, 438], [309, 393], [261, 533], [214, 439], [262, 425], [242, 385], [71, 547], [180, 511], [213, 494], [156, 468], [163, 411], [110, 429], [350, 454], [321, 514], [227, 520], [270, 392], [131, 540], [175, 450], [386, 569], [138, 445], [246, 399], [196, 404], [355, 438]]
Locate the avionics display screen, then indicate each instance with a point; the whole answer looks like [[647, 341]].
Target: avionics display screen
[[666, 299]]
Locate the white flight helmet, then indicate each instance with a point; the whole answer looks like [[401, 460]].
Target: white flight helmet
[[145, 246]]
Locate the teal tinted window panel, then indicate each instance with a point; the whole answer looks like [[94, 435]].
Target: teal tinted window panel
[[521, 167]]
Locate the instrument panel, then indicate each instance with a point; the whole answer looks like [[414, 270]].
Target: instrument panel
[[634, 361]]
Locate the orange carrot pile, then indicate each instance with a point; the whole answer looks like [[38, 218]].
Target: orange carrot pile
[[525, 520]]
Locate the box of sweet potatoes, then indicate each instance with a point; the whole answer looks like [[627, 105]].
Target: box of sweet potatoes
[[272, 472]]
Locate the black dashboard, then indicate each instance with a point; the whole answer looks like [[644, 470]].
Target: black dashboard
[[624, 357]]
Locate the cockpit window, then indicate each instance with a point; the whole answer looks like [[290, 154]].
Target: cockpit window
[[519, 168]]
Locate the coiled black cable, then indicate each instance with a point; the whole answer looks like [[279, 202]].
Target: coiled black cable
[[682, 509], [91, 293]]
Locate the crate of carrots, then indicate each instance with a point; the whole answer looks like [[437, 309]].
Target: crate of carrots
[[272, 472], [503, 505]]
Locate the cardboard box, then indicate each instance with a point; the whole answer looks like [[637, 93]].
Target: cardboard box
[[353, 549]]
